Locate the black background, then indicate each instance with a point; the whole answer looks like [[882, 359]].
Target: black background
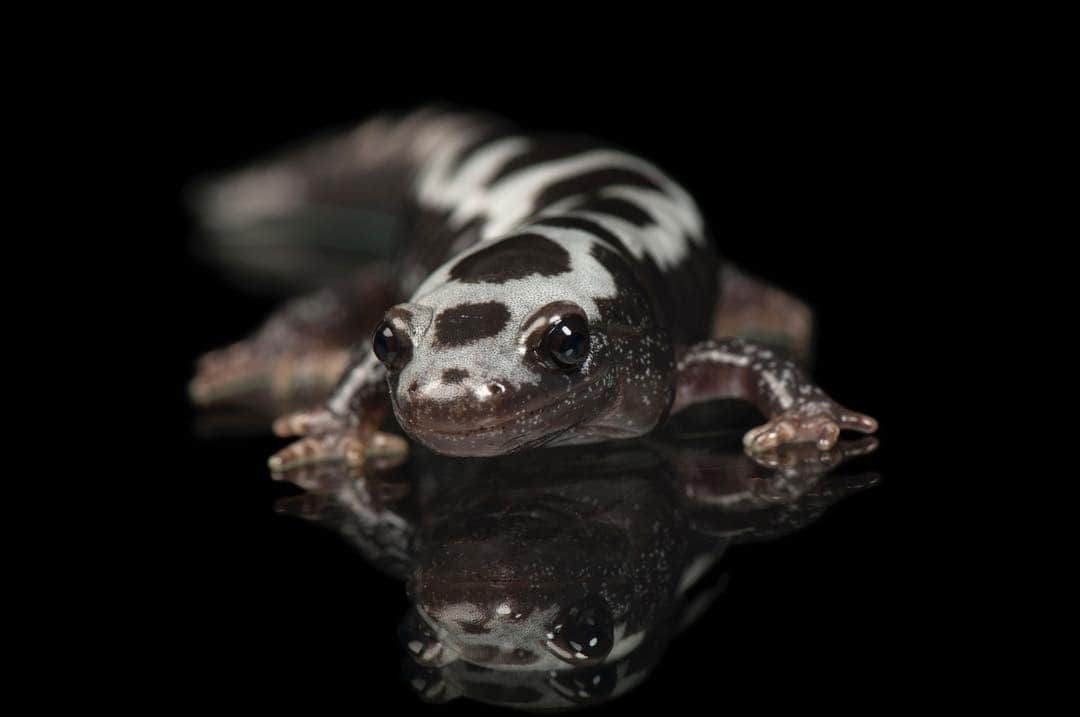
[[821, 181]]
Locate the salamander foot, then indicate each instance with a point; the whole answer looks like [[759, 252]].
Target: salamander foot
[[817, 422], [327, 438]]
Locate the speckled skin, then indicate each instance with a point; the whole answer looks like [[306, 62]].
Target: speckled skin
[[504, 236]]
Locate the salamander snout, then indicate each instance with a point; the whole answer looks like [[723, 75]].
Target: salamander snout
[[459, 410], [457, 383]]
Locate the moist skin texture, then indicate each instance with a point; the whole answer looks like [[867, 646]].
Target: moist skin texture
[[504, 235]]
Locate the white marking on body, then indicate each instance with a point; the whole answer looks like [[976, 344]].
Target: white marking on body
[[779, 389], [439, 188], [667, 242], [696, 570], [339, 402], [714, 356], [675, 203], [510, 201]]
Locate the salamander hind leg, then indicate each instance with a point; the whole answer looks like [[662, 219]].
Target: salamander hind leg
[[299, 353], [798, 411], [246, 374], [756, 310]]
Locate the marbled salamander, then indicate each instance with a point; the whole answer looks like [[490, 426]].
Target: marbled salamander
[[555, 292]]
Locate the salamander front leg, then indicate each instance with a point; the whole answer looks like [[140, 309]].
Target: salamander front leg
[[346, 429], [798, 411], [353, 447]]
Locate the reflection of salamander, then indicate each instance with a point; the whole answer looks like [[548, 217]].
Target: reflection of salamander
[[554, 579], [549, 291]]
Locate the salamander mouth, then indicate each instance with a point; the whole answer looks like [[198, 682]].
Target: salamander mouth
[[488, 440], [494, 427], [521, 430]]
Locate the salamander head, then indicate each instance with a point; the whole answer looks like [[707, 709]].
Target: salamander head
[[520, 586], [516, 344]]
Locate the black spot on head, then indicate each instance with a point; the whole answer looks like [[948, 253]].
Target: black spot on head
[[513, 258], [454, 375], [589, 182], [617, 207], [465, 323]]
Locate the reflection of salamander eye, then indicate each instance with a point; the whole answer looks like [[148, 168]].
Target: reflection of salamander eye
[[390, 346], [583, 633], [567, 343], [586, 685]]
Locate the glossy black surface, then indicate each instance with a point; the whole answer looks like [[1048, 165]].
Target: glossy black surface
[[557, 579]]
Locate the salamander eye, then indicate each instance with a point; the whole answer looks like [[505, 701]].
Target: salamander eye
[[567, 343], [390, 346]]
